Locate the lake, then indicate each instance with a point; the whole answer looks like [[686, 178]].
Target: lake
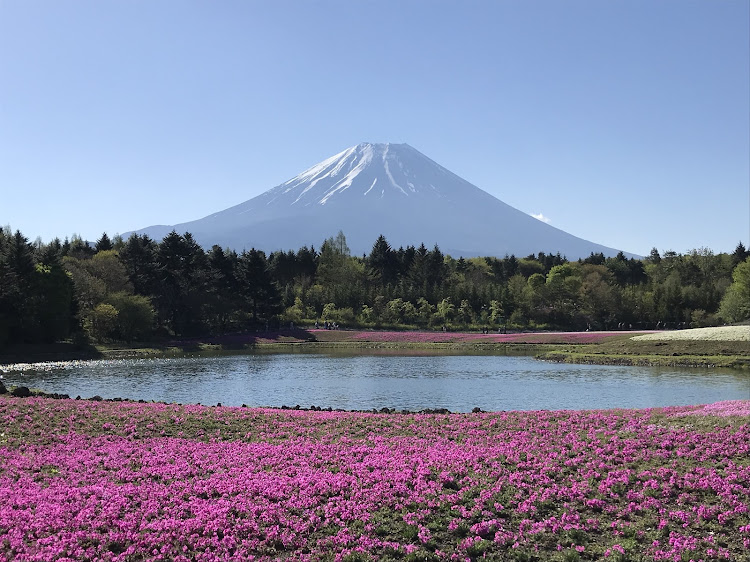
[[365, 381]]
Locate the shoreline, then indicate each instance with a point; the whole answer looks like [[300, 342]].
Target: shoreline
[[602, 348], [21, 393]]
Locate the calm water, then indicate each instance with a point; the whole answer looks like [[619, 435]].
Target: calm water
[[358, 382]]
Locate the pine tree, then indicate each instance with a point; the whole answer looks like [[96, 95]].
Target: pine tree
[[739, 255], [138, 255], [258, 291], [382, 262], [103, 244]]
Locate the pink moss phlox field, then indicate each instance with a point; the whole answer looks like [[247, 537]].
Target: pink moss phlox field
[[477, 338], [84, 480], [721, 409]]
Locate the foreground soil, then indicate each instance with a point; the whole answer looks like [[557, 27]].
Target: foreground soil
[[88, 480]]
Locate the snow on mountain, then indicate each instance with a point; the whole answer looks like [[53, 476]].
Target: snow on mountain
[[389, 189]]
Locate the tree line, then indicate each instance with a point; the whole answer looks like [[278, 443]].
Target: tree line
[[138, 289]]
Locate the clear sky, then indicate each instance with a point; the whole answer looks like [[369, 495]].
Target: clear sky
[[625, 122]]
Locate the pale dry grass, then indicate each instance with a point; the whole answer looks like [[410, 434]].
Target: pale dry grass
[[720, 333]]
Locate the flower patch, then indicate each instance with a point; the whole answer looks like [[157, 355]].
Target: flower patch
[[84, 480]]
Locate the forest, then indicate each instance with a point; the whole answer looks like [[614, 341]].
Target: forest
[[139, 289]]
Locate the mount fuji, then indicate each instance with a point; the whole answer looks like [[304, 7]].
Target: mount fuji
[[373, 189]]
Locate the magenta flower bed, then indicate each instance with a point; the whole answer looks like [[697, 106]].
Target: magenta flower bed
[[122, 481], [460, 337]]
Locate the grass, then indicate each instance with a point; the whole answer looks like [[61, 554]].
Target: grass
[[658, 349]]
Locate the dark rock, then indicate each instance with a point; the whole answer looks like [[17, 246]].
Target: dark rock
[[3, 390], [476, 410], [78, 397], [21, 392], [218, 404], [435, 411], [96, 398]]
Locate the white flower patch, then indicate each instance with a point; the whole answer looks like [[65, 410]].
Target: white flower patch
[[721, 333]]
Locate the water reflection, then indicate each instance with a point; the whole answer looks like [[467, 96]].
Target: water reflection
[[356, 381]]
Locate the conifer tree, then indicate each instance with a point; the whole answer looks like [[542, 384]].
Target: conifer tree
[[103, 244]]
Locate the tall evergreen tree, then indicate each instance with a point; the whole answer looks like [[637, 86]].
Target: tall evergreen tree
[[740, 254], [182, 281], [382, 262], [259, 293], [139, 256], [419, 272], [103, 244], [222, 299]]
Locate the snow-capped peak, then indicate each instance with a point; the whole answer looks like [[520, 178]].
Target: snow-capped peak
[[389, 189], [368, 169]]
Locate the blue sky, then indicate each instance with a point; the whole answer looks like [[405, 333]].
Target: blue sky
[[623, 122]]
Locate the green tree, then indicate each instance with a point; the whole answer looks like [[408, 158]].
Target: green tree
[[424, 311], [654, 256], [90, 290], [139, 256], [338, 315], [135, 316], [331, 261], [19, 290], [79, 248], [497, 312], [104, 244], [598, 296], [297, 312], [101, 322], [419, 272], [446, 310], [341, 276], [315, 299], [259, 294], [366, 315], [381, 263], [562, 287], [222, 288], [465, 314], [181, 290], [735, 306], [106, 265], [740, 254], [55, 308]]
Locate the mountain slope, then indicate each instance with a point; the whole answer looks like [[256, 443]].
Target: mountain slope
[[389, 189]]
